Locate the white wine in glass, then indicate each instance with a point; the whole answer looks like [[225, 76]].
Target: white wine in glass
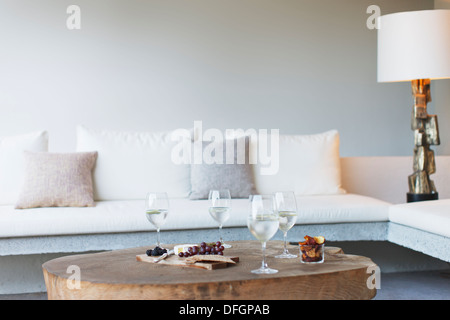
[[263, 224], [157, 209], [286, 207], [220, 207]]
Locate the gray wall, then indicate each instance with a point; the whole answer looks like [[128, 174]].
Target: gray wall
[[300, 66], [441, 100]]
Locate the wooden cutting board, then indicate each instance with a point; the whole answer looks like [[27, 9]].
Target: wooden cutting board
[[174, 260]]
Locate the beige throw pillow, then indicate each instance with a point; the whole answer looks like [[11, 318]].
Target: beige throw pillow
[[57, 180]]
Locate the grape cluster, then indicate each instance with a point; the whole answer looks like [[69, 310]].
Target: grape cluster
[[156, 252], [204, 249]]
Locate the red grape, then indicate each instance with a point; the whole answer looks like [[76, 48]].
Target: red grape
[[204, 248]]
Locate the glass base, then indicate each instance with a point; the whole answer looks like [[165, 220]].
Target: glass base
[[286, 255], [312, 262], [226, 245], [264, 271]]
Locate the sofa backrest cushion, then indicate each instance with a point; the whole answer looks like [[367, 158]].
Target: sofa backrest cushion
[[308, 165], [12, 162], [131, 164]]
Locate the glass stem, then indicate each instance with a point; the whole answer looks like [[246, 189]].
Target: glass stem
[[285, 243], [264, 265], [158, 238], [220, 233]]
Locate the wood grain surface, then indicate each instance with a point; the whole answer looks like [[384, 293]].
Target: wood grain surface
[[118, 275]]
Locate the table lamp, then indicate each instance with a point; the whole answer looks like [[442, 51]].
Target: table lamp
[[415, 46]]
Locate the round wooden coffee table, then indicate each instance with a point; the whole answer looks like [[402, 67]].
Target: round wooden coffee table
[[118, 275]]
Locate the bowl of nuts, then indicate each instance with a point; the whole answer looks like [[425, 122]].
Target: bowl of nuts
[[312, 249]]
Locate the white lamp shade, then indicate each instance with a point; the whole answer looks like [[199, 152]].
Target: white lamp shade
[[414, 45]]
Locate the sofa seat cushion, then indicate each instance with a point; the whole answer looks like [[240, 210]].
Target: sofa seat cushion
[[341, 208], [184, 214], [431, 216]]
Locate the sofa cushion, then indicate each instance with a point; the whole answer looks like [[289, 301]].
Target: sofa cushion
[[431, 216], [131, 164], [57, 180], [184, 214], [223, 171], [308, 165], [340, 209], [12, 162]]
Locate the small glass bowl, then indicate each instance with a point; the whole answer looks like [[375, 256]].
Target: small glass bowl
[[311, 254]]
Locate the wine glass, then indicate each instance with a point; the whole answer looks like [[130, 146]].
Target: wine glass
[[286, 207], [263, 224], [220, 207], [157, 208]]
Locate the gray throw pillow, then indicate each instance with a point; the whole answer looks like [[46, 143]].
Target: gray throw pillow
[[233, 170]]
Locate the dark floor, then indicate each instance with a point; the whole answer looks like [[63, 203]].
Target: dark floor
[[425, 285]]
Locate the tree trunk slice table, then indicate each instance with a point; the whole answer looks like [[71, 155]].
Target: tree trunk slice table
[[117, 275]]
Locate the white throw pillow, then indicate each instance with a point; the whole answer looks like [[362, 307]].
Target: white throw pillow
[[131, 164], [308, 165], [12, 162]]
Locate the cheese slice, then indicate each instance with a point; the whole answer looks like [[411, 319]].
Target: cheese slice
[[182, 248]]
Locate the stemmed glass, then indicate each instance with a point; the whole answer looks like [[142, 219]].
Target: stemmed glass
[[263, 224], [157, 208], [220, 207], [286, 207]]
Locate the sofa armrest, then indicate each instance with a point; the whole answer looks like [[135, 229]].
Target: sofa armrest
[[386, 178]]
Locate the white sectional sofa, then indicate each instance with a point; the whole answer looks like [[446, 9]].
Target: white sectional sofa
[[121, 224], [371, 208], [420, 226]]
